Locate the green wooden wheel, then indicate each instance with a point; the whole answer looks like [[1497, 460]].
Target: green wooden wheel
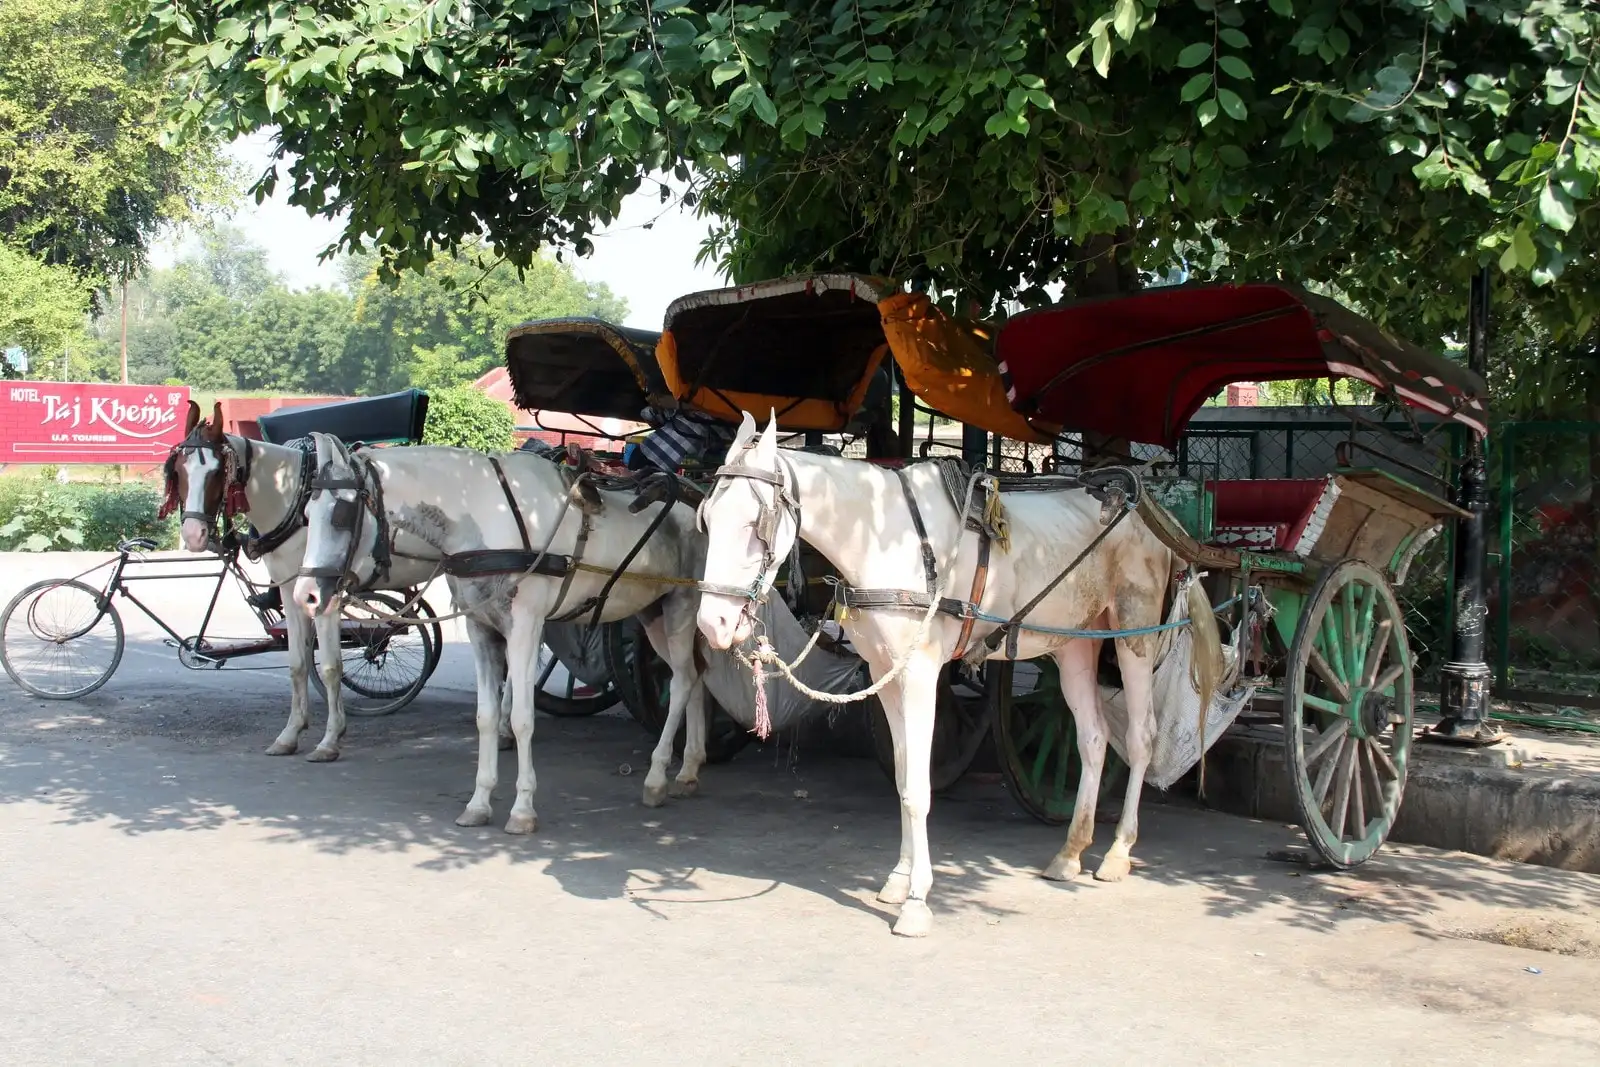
[[1347, 713], [1036, 739], [643, 679]]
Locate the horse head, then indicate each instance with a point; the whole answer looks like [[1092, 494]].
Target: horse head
[[335, 534], [752, 521], [201, 478]]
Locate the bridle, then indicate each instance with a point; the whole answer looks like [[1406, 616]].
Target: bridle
[[348, 515], [235, 472], [783, 504]]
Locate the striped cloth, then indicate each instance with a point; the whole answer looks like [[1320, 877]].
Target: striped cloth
[[679, 435]]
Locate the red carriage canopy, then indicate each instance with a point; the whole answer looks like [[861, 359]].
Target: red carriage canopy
[[1139, 365]]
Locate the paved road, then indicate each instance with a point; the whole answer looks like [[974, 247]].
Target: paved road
[[169, 895]]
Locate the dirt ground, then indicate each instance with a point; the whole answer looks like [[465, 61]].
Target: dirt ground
[[172, 895]]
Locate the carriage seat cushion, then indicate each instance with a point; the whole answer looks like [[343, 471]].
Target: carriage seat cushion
[[1270, 514]]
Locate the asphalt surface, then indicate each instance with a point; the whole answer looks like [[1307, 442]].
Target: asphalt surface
[[170, 895]]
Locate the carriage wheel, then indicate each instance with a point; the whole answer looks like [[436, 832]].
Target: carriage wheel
[[385, 664], [582, 661], [60, 639], [960, 724], [1036, 739], [642, 680], [1347, 713]]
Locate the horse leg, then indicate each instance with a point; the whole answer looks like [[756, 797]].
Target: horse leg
[[655, 783], [1137, 683], [522, 674], [918, 697], [506, 741], [680, 631], [300, 634], [1077, 662], [489, 663], [332, 671], [897, 887]]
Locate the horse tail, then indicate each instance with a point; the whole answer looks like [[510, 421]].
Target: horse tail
[[1207, 649]]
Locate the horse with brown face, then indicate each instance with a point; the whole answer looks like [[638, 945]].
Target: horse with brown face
[[211, 476]]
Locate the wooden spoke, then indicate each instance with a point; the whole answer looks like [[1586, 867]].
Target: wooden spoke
[[1045, 747], [1325, 776], [1380, 757], [1358, 790], [1380, 644], [1341, 795], [1319, 663], [1332, 707], [1368, 600], [1352, 649], [1326, 741], [1330, 637], [1389, 677]]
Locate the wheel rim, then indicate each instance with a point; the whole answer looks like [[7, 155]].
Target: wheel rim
[[1348, 705], [61, 640], [383, 665], [1036, 739]]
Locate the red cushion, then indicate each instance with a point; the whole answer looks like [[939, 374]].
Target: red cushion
[[1283, 502]]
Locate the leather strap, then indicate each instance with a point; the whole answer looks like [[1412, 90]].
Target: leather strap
[[980, 581], [511, 502]]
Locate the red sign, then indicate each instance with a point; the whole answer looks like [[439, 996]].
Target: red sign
[[80, 422]]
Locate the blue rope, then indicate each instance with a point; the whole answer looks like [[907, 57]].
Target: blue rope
[[1140, 632]]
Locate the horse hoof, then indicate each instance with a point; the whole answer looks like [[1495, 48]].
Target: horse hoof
[[322, 755], [1113, 869], [896, 890], [474, 817], [1062, 870], [522, 822], [916, 920], [282, 748], [654, 796], [684, 789]]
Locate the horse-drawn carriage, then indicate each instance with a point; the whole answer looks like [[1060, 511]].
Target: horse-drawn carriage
[[1301, 571]]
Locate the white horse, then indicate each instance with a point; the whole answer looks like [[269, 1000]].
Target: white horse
[[212, 475], [458, 502], [857, 515]]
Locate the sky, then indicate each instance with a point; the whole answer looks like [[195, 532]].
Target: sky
[[648, 267]]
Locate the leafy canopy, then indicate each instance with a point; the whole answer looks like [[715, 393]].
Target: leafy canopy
[[85, 181], [989, 145]]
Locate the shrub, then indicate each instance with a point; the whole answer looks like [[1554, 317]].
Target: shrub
[[466, 418], [46, 518], [40, 516]]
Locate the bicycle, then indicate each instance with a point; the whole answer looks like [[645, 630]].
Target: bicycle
[[69, 628]]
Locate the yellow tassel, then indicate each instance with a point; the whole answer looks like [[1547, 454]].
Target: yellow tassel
[[994, 517]]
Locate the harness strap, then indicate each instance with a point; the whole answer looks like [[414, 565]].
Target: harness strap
[[930, 566], [482, 562], [585, 524], [980, 581], [511, 502]]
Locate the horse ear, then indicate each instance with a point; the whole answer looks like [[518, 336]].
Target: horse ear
[[743, 437], [767, 448], [216, 423], [193, 418], [324, 452]]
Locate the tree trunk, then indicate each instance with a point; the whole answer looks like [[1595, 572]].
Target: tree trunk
[[124, 330], [1103, 268]]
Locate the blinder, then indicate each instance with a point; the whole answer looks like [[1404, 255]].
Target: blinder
[[766, 529]]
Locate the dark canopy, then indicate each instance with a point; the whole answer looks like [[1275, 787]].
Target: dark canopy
[[1138, 366], [585, 367]]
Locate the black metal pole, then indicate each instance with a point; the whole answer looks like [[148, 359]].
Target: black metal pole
[[974, 445], [1464, 679], [907, 428]]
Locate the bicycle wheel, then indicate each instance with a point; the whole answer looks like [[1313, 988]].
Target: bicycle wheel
[[58, 645], [385, 663], [425, 610]]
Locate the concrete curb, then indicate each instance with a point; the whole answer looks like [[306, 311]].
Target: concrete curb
[[1504, 802]]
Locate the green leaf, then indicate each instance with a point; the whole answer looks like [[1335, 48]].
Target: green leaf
[[391, 63], [1555, 208], [274, 97], [726, 72], [1282, 7], [762, 104], [1527, 254], [1207, 111], [1235, 67], [465, 157], [1102, 54], [881, 53], [1233, 38], [1195, 54], [36, 543], [1232, 155], [1126, 19], [233, 30], [71, 535], [1196, 87], [676, 33], [1231, 103]]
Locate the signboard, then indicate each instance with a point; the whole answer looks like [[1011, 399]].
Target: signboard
[[84, 422]]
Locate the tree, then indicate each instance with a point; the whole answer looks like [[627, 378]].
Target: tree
[[85, 180], [987, 146], [42, 311], [447, 325]]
